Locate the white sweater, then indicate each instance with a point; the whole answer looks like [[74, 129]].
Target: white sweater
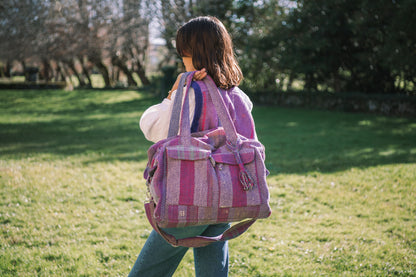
[[155, 121]]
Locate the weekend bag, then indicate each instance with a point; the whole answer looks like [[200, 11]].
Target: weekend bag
[[208, 177]]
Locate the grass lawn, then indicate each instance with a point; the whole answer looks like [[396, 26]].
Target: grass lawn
[[343, 189]]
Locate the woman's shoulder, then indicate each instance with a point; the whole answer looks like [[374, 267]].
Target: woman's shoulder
[[238, 96]]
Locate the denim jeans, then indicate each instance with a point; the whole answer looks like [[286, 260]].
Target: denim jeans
[[158, 258]]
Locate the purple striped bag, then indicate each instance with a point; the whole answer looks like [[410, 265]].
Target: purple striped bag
[[204, 178]]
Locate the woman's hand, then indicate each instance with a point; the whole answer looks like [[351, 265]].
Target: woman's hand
[[199, 75]]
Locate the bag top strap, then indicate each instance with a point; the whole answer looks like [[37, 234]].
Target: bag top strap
[[176, 110], [222, 111], [180, 112], [185, 124]]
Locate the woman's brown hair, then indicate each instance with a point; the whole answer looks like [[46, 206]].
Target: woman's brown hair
[[206, 40]]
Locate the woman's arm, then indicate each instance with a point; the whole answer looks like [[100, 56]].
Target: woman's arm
[[155, 121], [241, 115]]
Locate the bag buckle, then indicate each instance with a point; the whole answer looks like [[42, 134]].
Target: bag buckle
[[246, 180]]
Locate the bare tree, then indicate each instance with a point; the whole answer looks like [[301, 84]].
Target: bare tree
[[77, 33], [173, 14], [20, 23], [129, 39]]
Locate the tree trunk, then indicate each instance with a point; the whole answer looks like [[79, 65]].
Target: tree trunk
[[310, 82], [8, 69], [71, 65], [26, 73], [140, 69], [60, 72], [290, 82], [120, 64], [141, 73], [95, 58], [117, 76], [65, 72], [337, 82], [5, 70], [85, 72], [104, 72], [46, 72]]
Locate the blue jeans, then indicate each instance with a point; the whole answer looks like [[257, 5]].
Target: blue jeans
[[158, 258]]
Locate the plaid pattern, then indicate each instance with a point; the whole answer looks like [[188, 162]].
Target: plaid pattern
[[212, 176], [195, 185], [195, 180]]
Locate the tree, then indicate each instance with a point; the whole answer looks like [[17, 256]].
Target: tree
[[399, 47], [77, 32], [130, 39], [346, 45], [20, 24], [174, 13], [256, 46]]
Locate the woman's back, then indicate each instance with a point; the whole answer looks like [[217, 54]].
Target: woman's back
[[237, 102]]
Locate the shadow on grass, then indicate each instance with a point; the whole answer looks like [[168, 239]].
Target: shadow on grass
[[107, 123], [105, 137], [77, 123]]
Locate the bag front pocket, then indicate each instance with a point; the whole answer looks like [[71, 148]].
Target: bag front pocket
[[190, 176], [232, 193]]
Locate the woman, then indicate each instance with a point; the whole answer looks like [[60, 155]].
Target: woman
[[206, 47]]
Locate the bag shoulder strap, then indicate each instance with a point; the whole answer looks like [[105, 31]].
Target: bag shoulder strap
[[198, 241], [174, 122]]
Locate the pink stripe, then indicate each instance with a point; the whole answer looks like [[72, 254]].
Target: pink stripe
[[201, 186], [223, 214], [204, 111], [186, 194]]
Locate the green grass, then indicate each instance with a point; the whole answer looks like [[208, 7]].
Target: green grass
[[343, 189]]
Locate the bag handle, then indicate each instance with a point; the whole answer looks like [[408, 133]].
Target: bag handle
[[180, 112], [198, 241], [174, 121], [222, 111], [185, 124]]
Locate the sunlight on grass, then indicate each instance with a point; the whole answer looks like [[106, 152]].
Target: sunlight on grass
[[342, 190], [387, 152], [292, 124], [365, 123], [126, 96]]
